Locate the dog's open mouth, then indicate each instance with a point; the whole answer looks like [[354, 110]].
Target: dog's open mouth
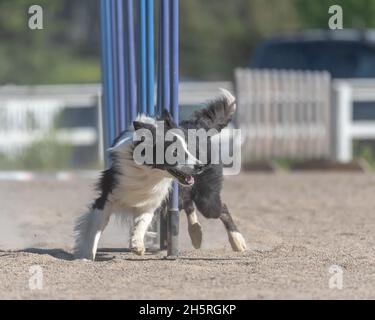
[[183, 178]]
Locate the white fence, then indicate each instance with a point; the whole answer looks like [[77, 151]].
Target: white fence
[[28, 114], [346, 129], [280, 113], [283, 114]]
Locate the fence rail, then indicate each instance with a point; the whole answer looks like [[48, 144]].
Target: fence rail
[[283, 114], [27, 113], [346, 94]]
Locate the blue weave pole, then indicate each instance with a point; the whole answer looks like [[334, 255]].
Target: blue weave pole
[[173, 214], [168, 80], [128, 76], [115, 63], [159, 64], [163, 90], [165, 61], [150, 73], [108, 93], [174, 45], [130, 62], [104, 75], [120, 33], [142, 61]]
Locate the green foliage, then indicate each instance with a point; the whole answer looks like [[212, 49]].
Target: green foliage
[[285, 164], [45, 153], [365, 150], [216, 35], [219, 35], [55, 54], [357, 13]]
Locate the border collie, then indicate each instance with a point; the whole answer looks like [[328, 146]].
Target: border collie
[[137, 190]]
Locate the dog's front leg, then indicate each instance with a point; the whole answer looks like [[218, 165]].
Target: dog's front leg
[[194, 227], [141, 224]]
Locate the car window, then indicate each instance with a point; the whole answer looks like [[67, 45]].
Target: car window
[[366, 64], [342, 59]]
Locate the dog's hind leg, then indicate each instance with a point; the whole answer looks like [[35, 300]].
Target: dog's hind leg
[[236, 239], [194, 227], [141, 224], [211, 207], [88, 229]]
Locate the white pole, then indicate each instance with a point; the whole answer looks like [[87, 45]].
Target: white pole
[[101, 150], [344, 112]]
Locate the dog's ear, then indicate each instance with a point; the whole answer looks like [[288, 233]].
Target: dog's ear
[[168, 119], [145, 126], [140, 136], [142, 125]]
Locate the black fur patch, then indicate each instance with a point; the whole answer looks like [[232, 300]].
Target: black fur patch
[[216, 115], [107, 182]]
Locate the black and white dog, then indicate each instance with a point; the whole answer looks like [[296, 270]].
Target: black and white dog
[[138, 190]]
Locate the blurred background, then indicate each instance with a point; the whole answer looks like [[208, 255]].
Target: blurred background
[[305, 92]]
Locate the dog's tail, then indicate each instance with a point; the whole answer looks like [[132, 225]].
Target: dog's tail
[[217, 114], [87, 231]]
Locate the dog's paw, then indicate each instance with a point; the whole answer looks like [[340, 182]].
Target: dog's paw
[[237, 241], [140, 251], [195, 232], [137, 247]]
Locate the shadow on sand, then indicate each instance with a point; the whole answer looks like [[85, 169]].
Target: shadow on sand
[[103, 254], [106, 254], [56, 253]]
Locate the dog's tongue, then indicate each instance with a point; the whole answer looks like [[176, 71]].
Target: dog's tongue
[[189, 179]]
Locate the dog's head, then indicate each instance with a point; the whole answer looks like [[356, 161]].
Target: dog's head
[[162, 145]]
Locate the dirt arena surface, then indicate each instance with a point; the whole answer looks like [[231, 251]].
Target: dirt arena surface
[[296, 227]]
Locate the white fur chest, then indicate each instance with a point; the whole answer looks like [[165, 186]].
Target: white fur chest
[[139, 189], [141, 195]]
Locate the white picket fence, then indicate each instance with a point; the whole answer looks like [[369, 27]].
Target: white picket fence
[[27, 113], [346, 129], [283, 114]]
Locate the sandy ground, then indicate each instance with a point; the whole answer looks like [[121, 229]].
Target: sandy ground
[[296, 227]]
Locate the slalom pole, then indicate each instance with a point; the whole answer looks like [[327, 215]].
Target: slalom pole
[[173, 214]]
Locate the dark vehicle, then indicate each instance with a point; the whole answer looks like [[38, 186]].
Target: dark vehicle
[[344, 53]]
